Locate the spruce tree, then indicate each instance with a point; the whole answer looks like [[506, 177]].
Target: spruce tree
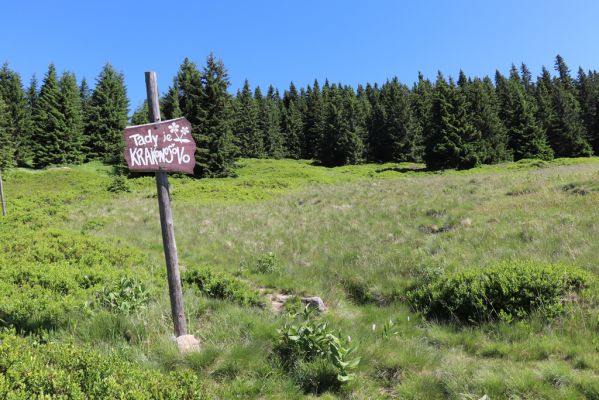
[[567, 134], [315, 121], [212, 128], [31, 96], [249, 138], [7, 150], [454, 142], [85, 95], [169, 105], [293, 123], [269, 122], [526, 78], [400, 137], [107, 117], [48, 123], [342, 139], [70, 105], [484, 114], [293, 128], [588, 95], [375, 123], [526, 138], [141, 115], [422, 101], [11, 91], [188, 86]]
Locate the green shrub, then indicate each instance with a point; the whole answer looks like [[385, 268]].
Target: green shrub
[[125, 295], [220, 285], [361, 292], [36, 296], [509, 290], [311, 351], [267, 263], [32, 370], [118, 184]]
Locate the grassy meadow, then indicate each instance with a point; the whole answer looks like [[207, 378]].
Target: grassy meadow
[[83, 294]]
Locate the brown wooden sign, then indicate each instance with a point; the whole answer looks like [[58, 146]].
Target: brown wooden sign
[[165, 146]]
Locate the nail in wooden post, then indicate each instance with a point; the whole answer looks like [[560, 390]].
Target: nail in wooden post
[[166, 222]]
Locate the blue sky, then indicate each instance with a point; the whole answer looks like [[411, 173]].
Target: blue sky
[[279, 41]]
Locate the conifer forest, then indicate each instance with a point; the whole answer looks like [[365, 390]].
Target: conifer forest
[[445, 122]]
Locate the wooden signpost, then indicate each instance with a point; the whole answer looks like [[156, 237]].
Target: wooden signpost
[[164, 147]]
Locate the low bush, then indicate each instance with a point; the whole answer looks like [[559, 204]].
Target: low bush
[[32, 370], [220, 285], [361, 292], [125, 295], [509, 290], [317, 357], [46, 296], [267, 263]]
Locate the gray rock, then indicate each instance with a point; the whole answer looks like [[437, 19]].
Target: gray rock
[[316, 302]]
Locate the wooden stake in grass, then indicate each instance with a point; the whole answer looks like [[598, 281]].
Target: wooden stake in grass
[[166, 221]]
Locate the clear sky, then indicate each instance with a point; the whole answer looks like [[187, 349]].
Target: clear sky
[[278, 41]]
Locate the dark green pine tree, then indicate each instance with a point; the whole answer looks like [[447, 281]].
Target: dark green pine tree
[[247, 131], [7, 150], [11, 91], [400, 138], [563, 74], [169, 105], [375, 123], [85, 95], [293, 123], [48, 123], [188, 85], [31, 96], [454, 142], [567, 134], [141, 115], [269, 122], [315, 121], [107, 117], [545, 111], [70, 105], [342, 140], [365, 112], [526, 79], [526, 138], [588, 97], [422, 102], [462, 80], [484, 113], [212, 130]]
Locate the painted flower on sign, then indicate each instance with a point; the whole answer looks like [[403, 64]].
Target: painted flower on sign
[[185, 130], [174, 127]]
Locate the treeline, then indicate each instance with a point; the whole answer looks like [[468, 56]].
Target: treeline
[[445, 123], [61, 122]]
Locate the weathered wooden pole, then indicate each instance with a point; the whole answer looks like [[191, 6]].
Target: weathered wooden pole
[[2, 194], [166, 221]]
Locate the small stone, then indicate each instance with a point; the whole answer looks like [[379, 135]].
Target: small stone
[[188, 343], [316, 302], [283, 297], [466, 222]]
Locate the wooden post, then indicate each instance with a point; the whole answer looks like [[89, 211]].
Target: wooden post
[[166, 222], [2, 194]]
